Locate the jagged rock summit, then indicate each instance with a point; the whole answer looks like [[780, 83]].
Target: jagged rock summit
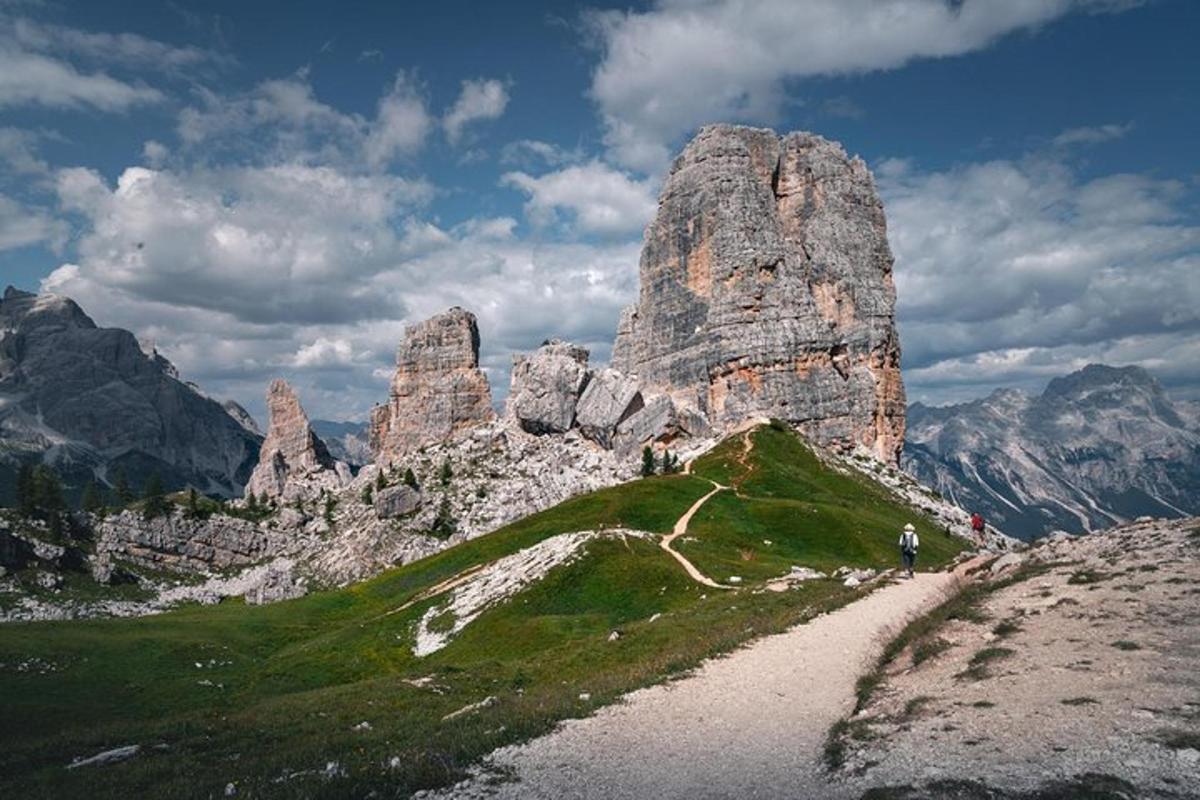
[[292, 451], [766, 290], [438, 390], [91, 402]]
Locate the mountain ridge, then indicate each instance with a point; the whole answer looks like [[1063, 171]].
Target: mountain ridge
[[1097, 447], [91, 401]]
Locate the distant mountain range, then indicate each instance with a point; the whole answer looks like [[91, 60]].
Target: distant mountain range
[[1097, 447], [90, 402], [346, 441]]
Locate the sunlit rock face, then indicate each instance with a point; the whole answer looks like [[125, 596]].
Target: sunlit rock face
[[766, 290], [438, 391]]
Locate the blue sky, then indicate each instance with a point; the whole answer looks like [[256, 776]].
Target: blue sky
[[269, 189]]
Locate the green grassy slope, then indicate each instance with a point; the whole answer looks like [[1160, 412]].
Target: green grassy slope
[[266, 697]]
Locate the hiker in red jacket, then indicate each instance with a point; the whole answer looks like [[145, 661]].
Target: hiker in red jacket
[[977, 525]]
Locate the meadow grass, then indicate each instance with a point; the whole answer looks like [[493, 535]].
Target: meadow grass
[[270, 698]]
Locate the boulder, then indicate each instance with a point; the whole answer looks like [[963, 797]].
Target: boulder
[[656, 421], [1005, 562], [608, 400], [767, 291], [438, 390], [396, 501], [546, 385]]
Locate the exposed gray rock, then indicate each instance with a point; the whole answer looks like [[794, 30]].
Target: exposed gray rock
[[438, 391], [766, 290], [546, 385], [396, 501], [272, 583], [655, 422], [291, 452], [609, 398], [175, 542], [90, 402]]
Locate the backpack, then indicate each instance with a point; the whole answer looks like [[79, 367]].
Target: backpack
[[906, 542]]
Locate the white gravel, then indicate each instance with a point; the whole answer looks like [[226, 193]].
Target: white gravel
[[750, 725]]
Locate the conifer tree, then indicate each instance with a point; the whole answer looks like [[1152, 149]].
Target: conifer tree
[[122, 488], [410, 478], [647, 462], [93, 499], [156, 504], [26, 495]]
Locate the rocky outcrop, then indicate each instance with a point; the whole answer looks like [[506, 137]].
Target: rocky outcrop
[[1098, 447], [546, 385], [608, 400], [766, 290], [177, 543], [291, 452], [90, 402], [438, 390], [396, 501]]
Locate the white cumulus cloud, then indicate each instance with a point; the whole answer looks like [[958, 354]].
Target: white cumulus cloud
[[1021, 267], [685, 63], [480, 99], [595, 197]]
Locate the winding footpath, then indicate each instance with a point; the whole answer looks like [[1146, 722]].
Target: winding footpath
[[750, 725], [681, 526]]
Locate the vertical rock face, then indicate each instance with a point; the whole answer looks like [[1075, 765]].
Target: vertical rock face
[[291, 449], [766, 290], [438, 389], [546, 385]]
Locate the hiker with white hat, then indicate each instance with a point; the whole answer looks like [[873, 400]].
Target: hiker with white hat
[[908, 547]]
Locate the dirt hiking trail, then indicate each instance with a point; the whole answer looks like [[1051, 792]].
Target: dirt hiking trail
[[750, 725]]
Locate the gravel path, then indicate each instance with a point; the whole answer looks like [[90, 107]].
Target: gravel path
[[750, 725], [681, 526]]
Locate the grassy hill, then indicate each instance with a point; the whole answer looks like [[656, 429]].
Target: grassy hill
[[272, 698]]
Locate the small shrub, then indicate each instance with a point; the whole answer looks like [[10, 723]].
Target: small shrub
[[864, 689], [1080, 701], [380, 481], [927, 649], [410, 479], [915, 706], [1006, 628], [368, 495], [1125, 644], [446, 473], [983, 704], [1180, 740], [990, 654], [977, 667], [1087, 576]]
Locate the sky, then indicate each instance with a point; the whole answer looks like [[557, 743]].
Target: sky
[[276, 188]]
